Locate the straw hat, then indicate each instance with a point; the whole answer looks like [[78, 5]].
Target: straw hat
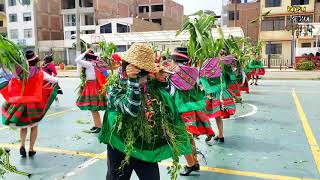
[[141, 56]]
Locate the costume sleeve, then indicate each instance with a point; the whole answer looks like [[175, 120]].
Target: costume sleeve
[[49, 78], [79, 60], [126, 102], [53, 69]]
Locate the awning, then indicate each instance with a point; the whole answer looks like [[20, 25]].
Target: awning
[[154, 36]]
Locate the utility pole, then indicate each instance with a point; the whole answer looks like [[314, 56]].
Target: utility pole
[[78, 45]]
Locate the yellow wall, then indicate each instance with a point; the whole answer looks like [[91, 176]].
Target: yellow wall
[[286, 50], [283, 8], [275, 35], [3, 18]]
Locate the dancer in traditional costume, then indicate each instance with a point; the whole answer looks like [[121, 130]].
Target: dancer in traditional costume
[[141, 125], [50, 68], [190, 101], [256, 66], [27, 102], [220, 103], [93, 79]]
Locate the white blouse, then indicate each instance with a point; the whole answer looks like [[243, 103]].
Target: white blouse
[[49, 78], [89, 68]]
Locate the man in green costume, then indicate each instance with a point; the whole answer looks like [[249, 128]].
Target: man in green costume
[[142, 125]]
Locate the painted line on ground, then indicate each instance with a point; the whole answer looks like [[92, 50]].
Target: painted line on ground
[[85, 165], [96, 157], [308, 131], [57, 151], [61, 112], [253, 112], [48, 116]]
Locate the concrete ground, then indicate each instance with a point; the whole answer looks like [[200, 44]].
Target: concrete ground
[[273, 136]]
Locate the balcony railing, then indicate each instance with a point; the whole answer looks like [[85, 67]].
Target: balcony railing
[[70, 23]]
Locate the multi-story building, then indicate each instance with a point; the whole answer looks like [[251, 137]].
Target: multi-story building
[[276, 28], [167, 13], [33, 21], [3, 18], [90, 12], [244, 14]]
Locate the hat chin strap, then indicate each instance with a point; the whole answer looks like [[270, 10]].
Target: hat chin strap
[[33, 58]]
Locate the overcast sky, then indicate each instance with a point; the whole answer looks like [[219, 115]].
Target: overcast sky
[[191, 6]]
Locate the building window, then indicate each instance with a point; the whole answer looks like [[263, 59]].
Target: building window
[[306, 45], [273, 24], [122, 28], [89, 32], [26, 16], [27, 33], [68, 34], [121, 48], [157, 8], [274, 49], [2, 8], [89, 19], [14, 34], [25, 2], [232, 16], [70, 20], [299, 2], [273, 3], [12, 2], [13, 18], [143, 9], [315, 44], [1, 23], [106, 28], [159, 21]]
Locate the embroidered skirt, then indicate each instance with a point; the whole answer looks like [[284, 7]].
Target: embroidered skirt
[[91, 99], [220, 108], [197, 123], [28, 115]]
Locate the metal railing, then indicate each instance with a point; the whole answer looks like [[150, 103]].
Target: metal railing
[[276, 62]]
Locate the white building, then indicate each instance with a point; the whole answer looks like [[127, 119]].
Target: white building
[[21, 24]]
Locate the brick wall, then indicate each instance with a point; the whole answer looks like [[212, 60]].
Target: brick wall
[[49, 21], [140, 25], [317, 12], [247, 13]]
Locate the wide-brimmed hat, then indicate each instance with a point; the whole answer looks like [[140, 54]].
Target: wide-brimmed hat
[[142, 56], [31, 56]]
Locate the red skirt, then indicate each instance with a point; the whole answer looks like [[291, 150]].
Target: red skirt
[[258, 72], [91, 98], [197, 123], [244, 87], [234, 90], [216, 108], [26, 115]]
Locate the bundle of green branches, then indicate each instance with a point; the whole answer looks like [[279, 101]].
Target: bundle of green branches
[[12, 58], [6, 167], [149, 134], [201, 44], [107, 49]]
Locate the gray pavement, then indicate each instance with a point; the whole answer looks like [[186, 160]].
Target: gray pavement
[[265, 140]]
